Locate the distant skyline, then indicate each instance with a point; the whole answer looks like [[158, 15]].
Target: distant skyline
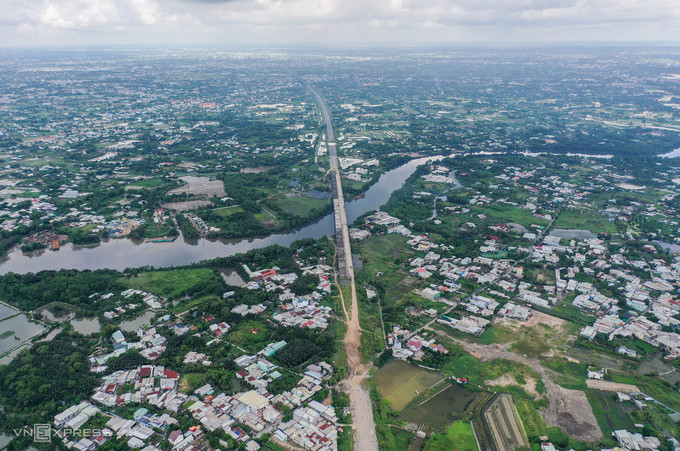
[[334, 22]]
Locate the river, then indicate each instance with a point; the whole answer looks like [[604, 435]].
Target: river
[[119, 254]]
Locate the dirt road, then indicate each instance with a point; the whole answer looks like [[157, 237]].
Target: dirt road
[[567, 409], [360, 399]]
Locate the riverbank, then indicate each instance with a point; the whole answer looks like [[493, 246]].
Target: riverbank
[[119, 254]]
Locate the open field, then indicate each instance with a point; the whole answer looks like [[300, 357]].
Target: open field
[[200, 186], [379, 254], [172, 284], [612, 386], [438, 411], [458, 437], [301, 206], [610, 414], [568, 409], [187, 205], [584, 218], [400, 382], [501, 419], [541, 336]]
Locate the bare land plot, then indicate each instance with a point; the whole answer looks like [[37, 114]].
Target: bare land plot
[[567, 409], [612, 386], [200, 186], [187, 205]]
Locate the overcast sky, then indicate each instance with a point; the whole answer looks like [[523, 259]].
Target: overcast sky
[[333, 22]]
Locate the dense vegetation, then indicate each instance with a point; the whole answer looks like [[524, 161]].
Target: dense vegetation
[[31, 291], [40, 381]]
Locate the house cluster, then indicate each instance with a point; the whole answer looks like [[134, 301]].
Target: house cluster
[[269, 279], [635, 441], [644, 309], [243, 309], [256, 372], [152, 384], [219, 329], [313, 429], [323, 272], [151, 345], [304, 311], [515, 311], [405, 346], [149, 299], [200, 225], [74, 418], [140, 430], [472, 325]]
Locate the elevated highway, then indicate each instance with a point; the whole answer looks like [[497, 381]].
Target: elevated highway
[[360, 400]]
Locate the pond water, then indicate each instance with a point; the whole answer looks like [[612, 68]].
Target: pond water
[[132, 325], [16, 330], [123, 253], [6, 310], [231, 277], [86, 326]]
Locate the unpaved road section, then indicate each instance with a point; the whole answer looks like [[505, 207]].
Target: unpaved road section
[[567, 409], [359, 398], [612, 386]]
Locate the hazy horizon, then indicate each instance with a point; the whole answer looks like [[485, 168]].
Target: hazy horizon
[[42, 23]]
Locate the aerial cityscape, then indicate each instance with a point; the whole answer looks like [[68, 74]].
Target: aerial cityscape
[[412, 245]]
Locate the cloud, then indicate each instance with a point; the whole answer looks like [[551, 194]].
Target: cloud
[[331, 21]]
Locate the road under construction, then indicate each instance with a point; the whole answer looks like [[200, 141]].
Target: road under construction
[[360, 400]]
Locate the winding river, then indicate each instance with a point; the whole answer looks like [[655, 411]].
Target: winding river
[[123, 253]]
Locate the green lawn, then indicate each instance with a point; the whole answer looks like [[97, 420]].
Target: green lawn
[[583, 218], [225, 212], [148, 183], [175, 282], [301, 206], [610, 414], [458, 437], [508, 213]]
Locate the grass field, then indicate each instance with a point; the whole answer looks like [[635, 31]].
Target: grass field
[[458, 437], [437, 412], [244, 337], [225, 212], [173, 283], [573, 218], [508, 213], [191, 381], [148, 183], [399, 382], [300, 206], [379, 254], [609, 413]]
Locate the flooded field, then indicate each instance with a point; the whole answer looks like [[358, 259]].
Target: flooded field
[[17, 330], [399, 382], [440, 410], [6, 311]]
